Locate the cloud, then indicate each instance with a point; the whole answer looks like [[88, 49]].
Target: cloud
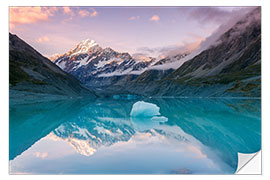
[[88, 12], [212, 39], [185, 48], [154, 18], [212, 14], [43, 39], [28, 15], [171, 50], [67, 10], [134, 18], [146, 50], [141, 57]]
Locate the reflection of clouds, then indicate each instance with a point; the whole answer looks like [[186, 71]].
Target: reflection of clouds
[[40, 155], [197, 151], [186, 145], [140, 139]]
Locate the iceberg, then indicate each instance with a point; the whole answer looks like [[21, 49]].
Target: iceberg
[[146, 116], [144, 109]]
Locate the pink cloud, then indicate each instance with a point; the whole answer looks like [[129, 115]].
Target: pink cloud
[[90, 12], [67, 10], [28, 15], [43, 39], [154, 18], [134, 18]]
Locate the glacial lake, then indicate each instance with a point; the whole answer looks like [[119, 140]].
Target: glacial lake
[[133, 135]]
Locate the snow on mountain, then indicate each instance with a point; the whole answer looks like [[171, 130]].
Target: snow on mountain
[[97, 67], [88, 59], [88, 56], [85, 46], [88, 62]]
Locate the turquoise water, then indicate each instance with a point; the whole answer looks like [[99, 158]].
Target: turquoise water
[[133, 136]]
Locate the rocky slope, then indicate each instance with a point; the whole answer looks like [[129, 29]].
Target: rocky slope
[[31, 73]]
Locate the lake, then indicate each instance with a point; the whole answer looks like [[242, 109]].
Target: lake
[[133, 135]]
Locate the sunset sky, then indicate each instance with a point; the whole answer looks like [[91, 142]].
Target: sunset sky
[[147, 30]]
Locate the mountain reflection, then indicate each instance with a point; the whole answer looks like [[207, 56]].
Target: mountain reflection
[[214, 129]]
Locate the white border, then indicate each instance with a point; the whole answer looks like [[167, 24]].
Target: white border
[[265, 76]]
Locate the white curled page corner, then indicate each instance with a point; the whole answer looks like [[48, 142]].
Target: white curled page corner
[[249, 163]]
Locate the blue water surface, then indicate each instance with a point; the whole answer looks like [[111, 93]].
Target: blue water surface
[[133, 135]]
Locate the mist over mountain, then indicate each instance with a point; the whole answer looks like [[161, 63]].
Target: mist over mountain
[[230, 66]]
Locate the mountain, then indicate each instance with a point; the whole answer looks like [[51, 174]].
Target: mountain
[[31, 73], [90, 63], [98, 67], [231, 66]]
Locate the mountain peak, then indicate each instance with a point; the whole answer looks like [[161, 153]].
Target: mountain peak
[[88, 42], [85, 46]]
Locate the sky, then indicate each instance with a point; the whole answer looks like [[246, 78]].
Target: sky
[[151, 31]]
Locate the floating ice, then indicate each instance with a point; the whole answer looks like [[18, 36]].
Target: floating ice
[[146, 116], [144, 109]]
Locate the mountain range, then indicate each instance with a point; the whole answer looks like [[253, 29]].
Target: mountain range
[[229, 66], [98, 67]]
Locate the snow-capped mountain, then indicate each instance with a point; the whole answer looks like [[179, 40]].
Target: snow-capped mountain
[[89, 59], [90, 63], [222, 61]]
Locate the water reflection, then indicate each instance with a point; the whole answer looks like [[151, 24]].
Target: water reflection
[[133, 136]]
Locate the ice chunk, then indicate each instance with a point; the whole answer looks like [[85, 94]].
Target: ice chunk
[[144, 109], [146, 116]]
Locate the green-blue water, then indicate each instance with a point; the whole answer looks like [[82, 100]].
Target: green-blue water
[[133, 136]]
